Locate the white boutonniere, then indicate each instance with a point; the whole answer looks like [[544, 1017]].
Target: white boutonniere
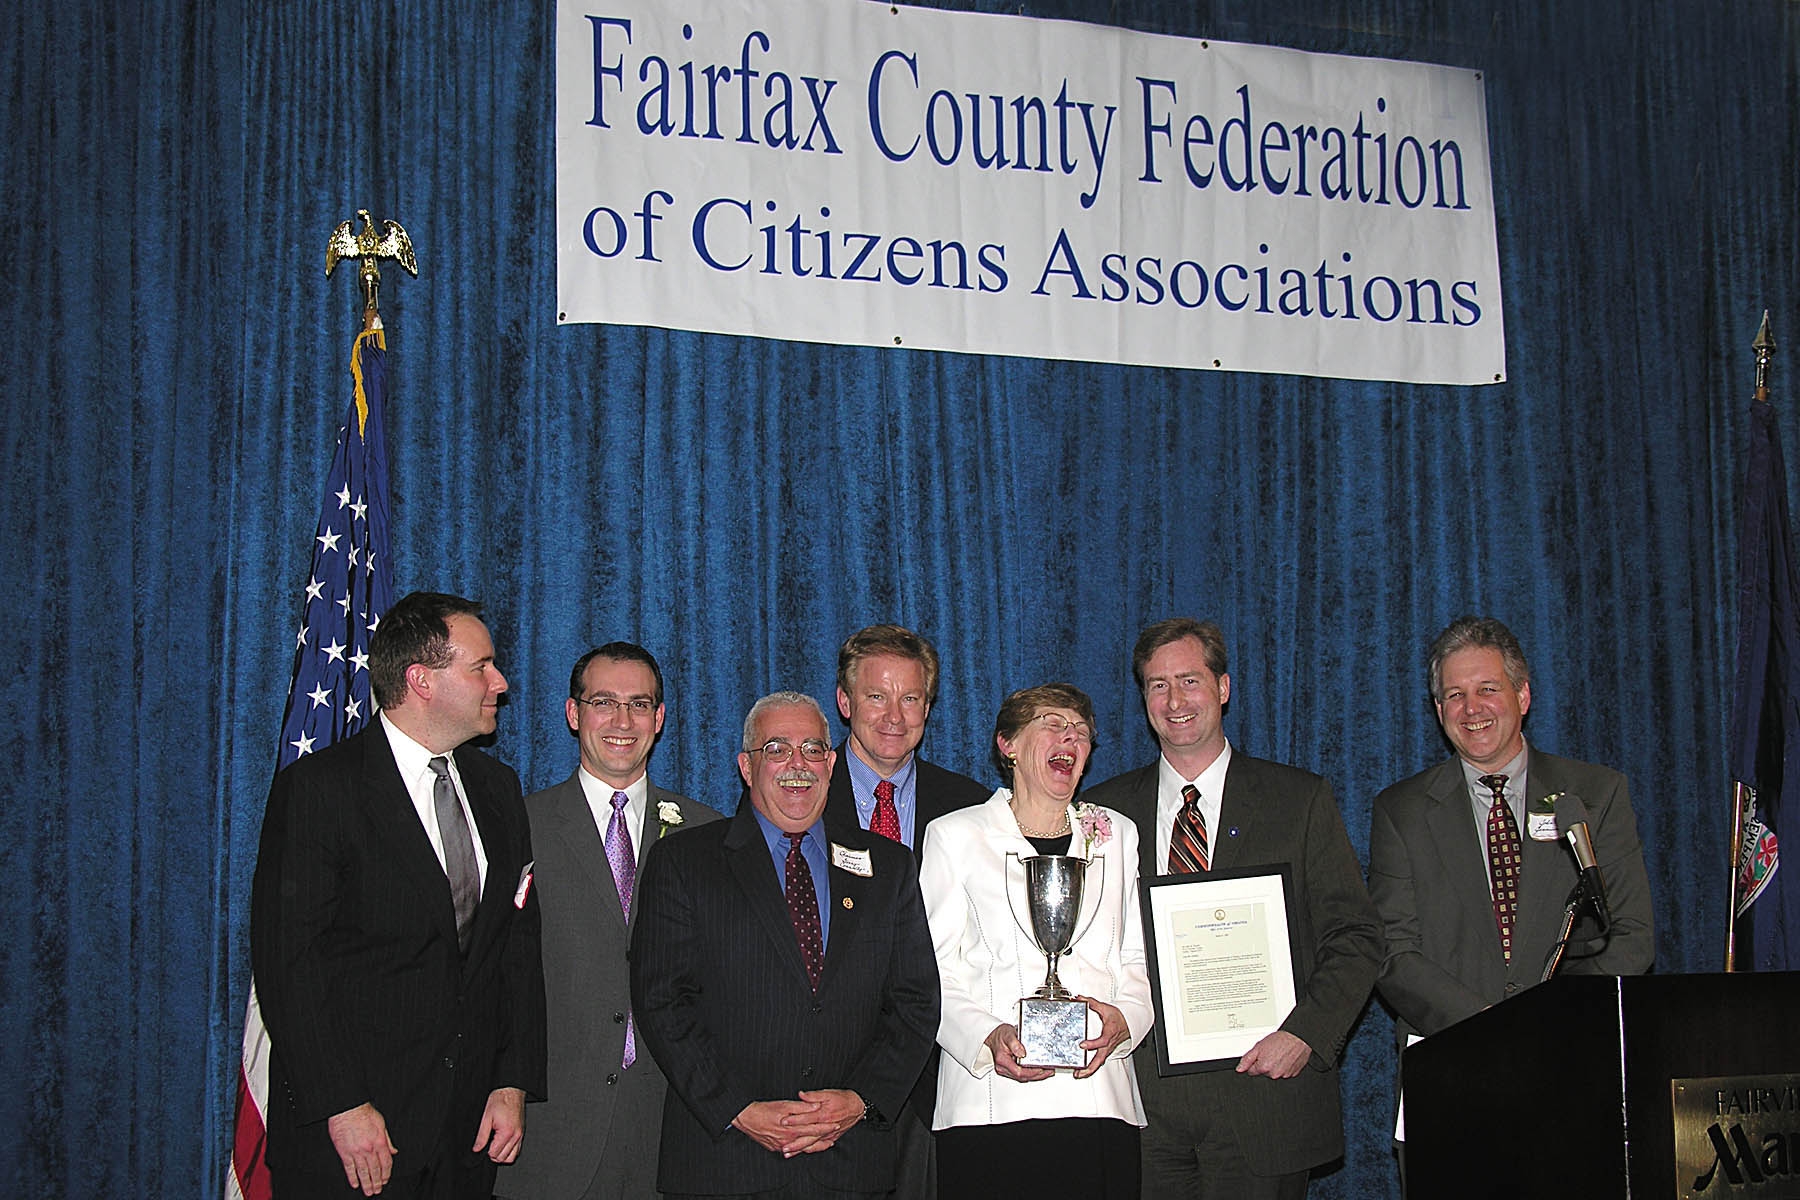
[[1095, 825], [1540, 818], [668, 816]]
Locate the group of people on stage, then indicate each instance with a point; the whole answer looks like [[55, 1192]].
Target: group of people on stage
[[818, 995]]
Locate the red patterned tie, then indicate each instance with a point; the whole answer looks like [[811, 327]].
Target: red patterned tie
[[1504, 856], [886, 820], [803, 910], [1188, 848]]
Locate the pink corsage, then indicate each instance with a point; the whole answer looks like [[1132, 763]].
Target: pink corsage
[[1095, 824]]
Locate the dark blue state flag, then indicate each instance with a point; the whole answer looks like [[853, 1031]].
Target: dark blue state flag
[[349, 586], [1765, 707]]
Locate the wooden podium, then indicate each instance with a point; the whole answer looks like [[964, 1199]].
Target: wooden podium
[[1566, 1091]]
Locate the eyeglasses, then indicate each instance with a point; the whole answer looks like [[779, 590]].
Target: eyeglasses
[[606, 706], [779, 751], [1058, 725]]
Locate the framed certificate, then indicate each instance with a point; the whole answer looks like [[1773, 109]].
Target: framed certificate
[[1222, 963]]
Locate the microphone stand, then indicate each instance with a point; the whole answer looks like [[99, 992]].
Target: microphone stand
[[1572, 909]]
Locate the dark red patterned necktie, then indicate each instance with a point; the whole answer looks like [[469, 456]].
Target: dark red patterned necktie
[[886, 820], [1504, 857], [803, 910], [1188, 848]]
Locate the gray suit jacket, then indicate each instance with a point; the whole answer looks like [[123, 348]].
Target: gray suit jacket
[[1429, 880], [596, 1135], [1272, 814]]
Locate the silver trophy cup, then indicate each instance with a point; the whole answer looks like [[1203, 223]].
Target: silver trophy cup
[[1051, 1023]]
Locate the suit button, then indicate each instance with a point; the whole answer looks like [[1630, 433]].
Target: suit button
[[612, 1077], [806, 1072], [817, 1009], [618, 1018], [449, 1063], [1511, 988]]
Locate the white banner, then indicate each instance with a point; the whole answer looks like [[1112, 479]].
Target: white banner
[[836, 171]]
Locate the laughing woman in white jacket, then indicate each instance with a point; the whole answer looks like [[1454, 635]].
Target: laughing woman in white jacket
[[1006, 1129]]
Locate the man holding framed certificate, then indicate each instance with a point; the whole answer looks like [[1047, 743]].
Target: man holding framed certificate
[[1263, 940]]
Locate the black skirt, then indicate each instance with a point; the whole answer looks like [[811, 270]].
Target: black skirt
[[1090, 1158]]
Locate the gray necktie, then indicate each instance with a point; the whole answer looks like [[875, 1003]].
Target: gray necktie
[[459, 850]]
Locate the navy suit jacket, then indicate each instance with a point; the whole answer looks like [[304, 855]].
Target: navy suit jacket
[[353, 947], [722, 1000], [1272, 814]]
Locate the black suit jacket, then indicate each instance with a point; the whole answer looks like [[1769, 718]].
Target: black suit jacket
[[936, 791], [1272, 814], [722, 1000], [353, 947]]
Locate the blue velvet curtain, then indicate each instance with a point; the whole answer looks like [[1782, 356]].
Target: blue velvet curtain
[[174, 363]]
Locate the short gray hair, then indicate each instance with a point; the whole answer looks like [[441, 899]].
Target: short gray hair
[[782, 699], [1476, 633]]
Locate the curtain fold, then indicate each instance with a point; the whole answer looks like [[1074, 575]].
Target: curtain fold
[[175, 363]]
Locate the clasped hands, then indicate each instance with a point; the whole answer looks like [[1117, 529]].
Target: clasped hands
[[1007, 1049], [812, 1123]]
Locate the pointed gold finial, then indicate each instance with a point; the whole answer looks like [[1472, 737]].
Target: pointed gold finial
[[1764, 346]]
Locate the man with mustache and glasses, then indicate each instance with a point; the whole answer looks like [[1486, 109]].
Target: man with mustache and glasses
[[783, 978], [1253, 1132]]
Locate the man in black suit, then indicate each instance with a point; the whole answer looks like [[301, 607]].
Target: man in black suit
[[783, 978], [887, 681], [1429, 849], [595, 1138], [1253, 1132], [394, 935]]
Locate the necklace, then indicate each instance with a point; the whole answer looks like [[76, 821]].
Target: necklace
[[1062, 826]]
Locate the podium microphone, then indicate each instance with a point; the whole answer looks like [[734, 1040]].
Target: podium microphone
[[1572, 824]]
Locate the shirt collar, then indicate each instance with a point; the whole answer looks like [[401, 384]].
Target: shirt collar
[[863, 777]]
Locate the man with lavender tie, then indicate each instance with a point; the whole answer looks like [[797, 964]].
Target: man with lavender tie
[[595, 1138]]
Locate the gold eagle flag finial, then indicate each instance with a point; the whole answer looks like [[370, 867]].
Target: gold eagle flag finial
[[370, 246]]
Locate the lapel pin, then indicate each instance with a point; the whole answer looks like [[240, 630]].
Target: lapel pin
[[849, 903]]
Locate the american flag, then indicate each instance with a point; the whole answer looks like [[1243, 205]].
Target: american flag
[[348, 588]]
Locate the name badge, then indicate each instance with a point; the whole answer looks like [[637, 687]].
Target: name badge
[[854, 861]]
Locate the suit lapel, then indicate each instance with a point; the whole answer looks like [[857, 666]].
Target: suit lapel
[[1546, 874], [753, 870], [849, 900], [503, 866], [1451, 821], [571, 823], [396, 822], [646, 834], [1237, 811]]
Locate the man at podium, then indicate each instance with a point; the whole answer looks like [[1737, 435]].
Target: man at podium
[[1468, 861]]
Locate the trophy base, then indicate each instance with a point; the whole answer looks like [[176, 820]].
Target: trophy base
[[1053, 1031]]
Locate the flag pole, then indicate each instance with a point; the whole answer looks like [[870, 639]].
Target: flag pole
[[1741, 794], [341, 701]]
